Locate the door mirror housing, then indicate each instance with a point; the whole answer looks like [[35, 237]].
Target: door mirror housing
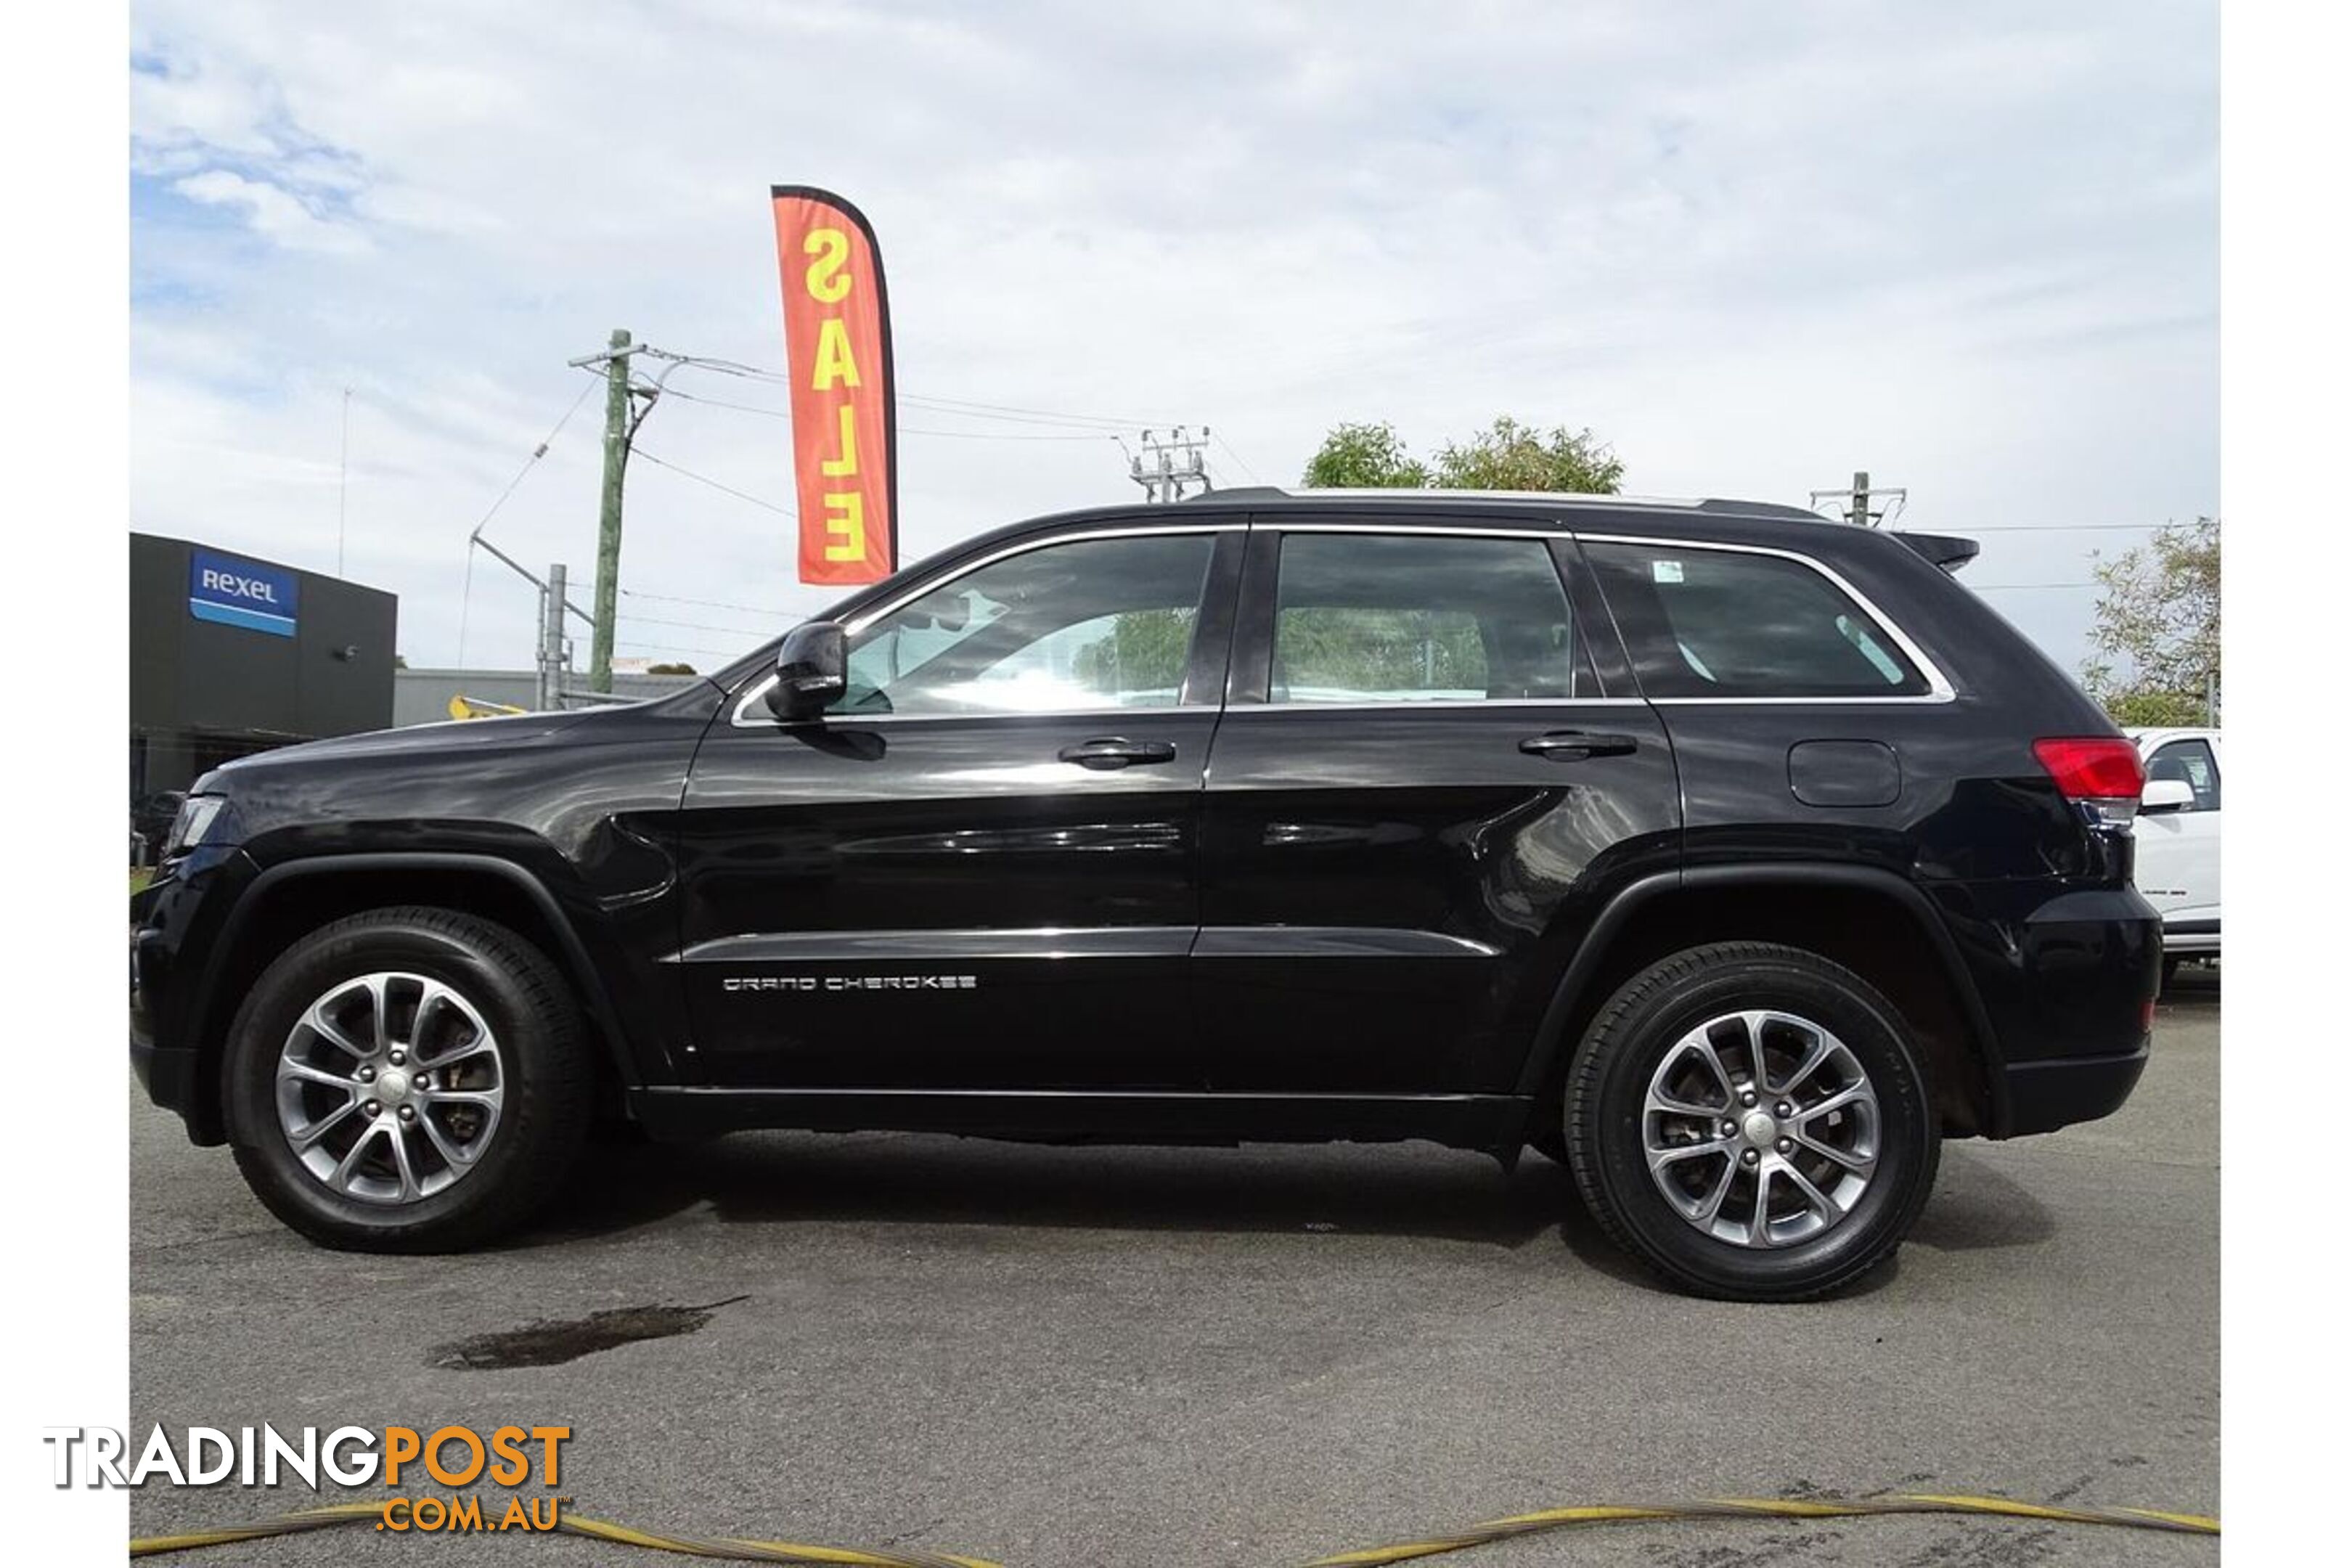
[[811, 670], [2166, 794]]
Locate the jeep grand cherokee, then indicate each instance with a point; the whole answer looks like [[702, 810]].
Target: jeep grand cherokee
[[1733, 857]]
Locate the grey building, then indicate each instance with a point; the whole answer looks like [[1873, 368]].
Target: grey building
[[231, 654]]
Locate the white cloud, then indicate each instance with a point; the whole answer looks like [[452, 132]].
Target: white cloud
[[275, 213], [1971, 248]]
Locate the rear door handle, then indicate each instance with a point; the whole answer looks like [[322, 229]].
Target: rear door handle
[[1566, 744], [1115, 751]]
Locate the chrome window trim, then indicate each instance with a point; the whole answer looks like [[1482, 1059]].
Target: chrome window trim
[[859, 720], [1442, 703], [1939, 688], [738, 718]]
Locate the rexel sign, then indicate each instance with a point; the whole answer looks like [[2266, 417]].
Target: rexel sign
[[233, 593]]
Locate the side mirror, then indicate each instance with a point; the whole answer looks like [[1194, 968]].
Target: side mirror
[[2166, 795], [811, 670]]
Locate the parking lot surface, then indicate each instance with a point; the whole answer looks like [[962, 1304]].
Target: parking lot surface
[[1070, 1357]]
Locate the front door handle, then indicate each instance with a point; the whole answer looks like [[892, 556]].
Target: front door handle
[[1115, 751], [1567, 744]]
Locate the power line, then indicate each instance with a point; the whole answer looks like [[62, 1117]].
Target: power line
[[903, 429], [2069, 528], [466, 599], [1015, 411], [1244, 462], [714, 484], [680, 647], [695, 625], [536, 454], [705, 603], [968, 406]]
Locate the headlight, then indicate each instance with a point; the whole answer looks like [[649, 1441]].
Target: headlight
[[197, 814]]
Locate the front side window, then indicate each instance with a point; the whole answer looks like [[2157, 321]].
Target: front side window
[[1422, 618], [1720, 623], [2192, 763], [1094, 623]]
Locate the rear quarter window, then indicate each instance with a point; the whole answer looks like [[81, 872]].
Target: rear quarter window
[[1702, 622]]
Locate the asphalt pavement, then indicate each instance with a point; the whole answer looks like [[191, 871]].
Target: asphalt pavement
[[1080, 1358]]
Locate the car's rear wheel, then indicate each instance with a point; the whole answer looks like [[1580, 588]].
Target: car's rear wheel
[[407, 1079], [1752, 1121]]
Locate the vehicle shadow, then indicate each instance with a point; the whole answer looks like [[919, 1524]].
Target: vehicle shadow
[[780, 1178], [1389, 1190], [1976, 1207]]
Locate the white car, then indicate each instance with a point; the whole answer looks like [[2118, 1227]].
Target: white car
[[2177, 863]]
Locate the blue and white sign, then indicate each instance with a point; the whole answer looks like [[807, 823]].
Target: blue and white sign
[[233, 593]]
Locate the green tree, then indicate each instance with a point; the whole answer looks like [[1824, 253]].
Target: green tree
[[1145, 651], [1509, 456], [1505, 456], [1364, 456], [2157, 643]]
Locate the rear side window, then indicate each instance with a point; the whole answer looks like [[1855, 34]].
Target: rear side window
[[1720, 623], [1422, 618]]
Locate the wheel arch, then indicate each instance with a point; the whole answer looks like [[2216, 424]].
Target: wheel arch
[[292, 897], [1822, 906]]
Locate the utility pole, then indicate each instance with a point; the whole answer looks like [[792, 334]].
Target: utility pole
[[551, 640], [1857, 498], [1165, 467], [608, 518]]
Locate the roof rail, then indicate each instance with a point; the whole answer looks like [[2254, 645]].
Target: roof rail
[[1548, 497]]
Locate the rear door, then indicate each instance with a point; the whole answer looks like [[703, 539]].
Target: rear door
[[1422, 786], [977, 870], [1806, 724]]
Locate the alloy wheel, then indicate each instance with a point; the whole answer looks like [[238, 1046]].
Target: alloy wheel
[[390, 1087], [1760, 1129]]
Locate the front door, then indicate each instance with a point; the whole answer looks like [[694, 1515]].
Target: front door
[[1420, 793], [977, 870], [2176, 855]]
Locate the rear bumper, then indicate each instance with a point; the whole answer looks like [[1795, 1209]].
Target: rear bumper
[[2046, 1096], [2069, 986]]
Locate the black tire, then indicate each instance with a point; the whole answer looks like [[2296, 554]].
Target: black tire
[[2171, 968], [1608, 1079], [545, 1070]]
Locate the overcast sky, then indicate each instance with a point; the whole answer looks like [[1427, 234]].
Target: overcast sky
[[1971, 249]]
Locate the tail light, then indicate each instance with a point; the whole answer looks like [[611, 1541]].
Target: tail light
[[2100, 772]]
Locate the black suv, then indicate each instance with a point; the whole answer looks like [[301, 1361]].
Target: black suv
[[1734, 857]]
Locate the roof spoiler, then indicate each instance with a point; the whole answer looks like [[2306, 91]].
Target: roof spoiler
[[1949, 550]]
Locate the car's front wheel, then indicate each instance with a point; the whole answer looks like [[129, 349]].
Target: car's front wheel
[[1753, 1122], [407, 1079]]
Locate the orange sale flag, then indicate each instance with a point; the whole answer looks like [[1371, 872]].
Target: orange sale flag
[[843, 397]]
